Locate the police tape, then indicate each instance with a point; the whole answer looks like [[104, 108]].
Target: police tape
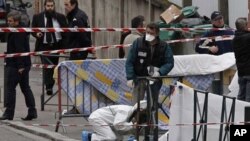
[[43, 66], [6, 29], [140, 125], [94, 48]]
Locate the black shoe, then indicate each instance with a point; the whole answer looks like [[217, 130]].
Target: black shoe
[[49, 91], [6, 118], [89, 136], [29, 117], [72, 111]]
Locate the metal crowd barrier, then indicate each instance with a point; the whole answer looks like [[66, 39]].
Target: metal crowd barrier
[[226, 119], [45, 101], [69, 105], [152, 131]]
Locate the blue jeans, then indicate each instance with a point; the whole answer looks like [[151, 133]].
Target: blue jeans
[[244, 91]]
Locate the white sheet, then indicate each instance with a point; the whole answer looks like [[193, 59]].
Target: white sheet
[[201, 64], [182, 112]]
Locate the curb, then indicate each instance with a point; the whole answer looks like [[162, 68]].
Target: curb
[[37, 131]]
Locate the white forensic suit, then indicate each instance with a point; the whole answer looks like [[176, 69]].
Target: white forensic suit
[[108, 121]]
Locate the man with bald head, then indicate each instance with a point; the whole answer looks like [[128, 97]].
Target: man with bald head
[[241, 44]]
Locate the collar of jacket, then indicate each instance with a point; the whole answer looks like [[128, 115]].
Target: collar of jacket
[[72, 13], [135, 32]]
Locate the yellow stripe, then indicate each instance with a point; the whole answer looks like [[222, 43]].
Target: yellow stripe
[[187, 83], [103, 78], [112, 95], [106, 61], [78, 62], [128, 96], [82, 74], [79, 100], [163, 118]]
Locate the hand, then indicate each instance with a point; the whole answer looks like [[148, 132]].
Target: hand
[[39, 34], [156, 74], [213, 49], [130, 83], [20, 70]]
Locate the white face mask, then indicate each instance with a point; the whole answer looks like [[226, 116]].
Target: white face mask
[[149, 37]]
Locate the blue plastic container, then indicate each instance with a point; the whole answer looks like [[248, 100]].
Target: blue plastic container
[[85, 135], [131, 138]]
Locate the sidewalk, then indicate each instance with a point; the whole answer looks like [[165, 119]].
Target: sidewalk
[[44, 125]]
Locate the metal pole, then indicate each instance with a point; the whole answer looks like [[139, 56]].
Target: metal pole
[[149, 9]]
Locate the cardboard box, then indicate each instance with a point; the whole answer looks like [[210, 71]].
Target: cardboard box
[[228, 76], [172, 14]]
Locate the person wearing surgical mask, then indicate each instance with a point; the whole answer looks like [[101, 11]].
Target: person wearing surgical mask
[[148, 56]]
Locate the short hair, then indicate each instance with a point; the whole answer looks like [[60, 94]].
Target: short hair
[[45, 2], [137, 21], [74, 2], [15, 15], [154, 26], [241, 24]]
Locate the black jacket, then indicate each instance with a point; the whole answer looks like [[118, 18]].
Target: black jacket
[[78, 19], [139, 58], [38, 21], [241, 47], [18, 42]]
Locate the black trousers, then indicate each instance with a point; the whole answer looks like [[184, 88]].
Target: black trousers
[[14, 78], [49, 60], [82, 55]]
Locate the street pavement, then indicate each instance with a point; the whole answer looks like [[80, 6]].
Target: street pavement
[[44, 125]]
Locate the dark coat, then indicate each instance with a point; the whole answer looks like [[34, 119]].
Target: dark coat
[[241, 44], [18, 43], [223, 46], [139, 58], [79, 19], [38, 21]]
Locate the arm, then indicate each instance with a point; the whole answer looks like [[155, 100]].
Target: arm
[[202, 47], [168, 61], [34, 24], [120, 121], [65, 35], [20, 43], [84, 38], [130, 73]]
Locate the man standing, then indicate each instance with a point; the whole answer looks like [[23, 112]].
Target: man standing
[[216, 46], [18, 70], [77, 19], [241, 44], [149, 56], [137, 22], [49, 41]]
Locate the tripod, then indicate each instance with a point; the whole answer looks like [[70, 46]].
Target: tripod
[[152, 88]]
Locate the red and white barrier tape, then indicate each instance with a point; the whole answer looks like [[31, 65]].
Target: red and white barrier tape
[[218, 38], [43, 66], [142, 125], [6, 29]]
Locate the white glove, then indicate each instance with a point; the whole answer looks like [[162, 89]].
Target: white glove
[[130, 83], [156, 74]]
